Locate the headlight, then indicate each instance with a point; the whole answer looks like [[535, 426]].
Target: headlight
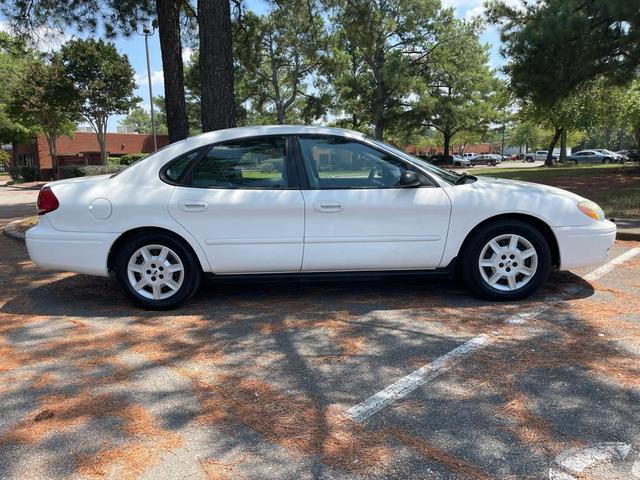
[[591, 209]]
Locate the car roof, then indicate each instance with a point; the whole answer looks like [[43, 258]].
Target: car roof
[[256, 131]]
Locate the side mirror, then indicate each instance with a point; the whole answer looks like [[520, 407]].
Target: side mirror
[[409, 179]]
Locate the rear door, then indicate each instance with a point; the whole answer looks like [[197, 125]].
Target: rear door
[[242, 202], [358, 217]]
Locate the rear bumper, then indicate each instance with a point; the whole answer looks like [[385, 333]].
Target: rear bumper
[[69, 251], [585, 246]]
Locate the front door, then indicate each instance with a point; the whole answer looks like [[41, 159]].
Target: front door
[[242, 203], [358, 217]]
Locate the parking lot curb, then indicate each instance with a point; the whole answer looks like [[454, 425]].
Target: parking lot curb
[[11, 230], [628, 235], [628, 228]]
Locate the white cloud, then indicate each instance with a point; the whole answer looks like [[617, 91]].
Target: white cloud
[[157, 79], [186, 55], [45, 39], [473, 8]]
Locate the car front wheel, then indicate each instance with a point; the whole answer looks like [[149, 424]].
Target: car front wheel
[[157, 271], [506, 260]]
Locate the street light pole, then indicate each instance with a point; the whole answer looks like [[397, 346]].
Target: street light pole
[[147, 33]]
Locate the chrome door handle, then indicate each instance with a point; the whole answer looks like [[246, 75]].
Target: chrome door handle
[[194, 206], [329, 207]]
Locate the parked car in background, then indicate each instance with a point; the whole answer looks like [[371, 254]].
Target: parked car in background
[[615, 157], [632, 155], [450, 160], [486, 159], [538, 155], [302, 201], [591, 156], [517, 156]]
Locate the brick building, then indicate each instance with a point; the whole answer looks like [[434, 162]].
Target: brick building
[[82, 149]]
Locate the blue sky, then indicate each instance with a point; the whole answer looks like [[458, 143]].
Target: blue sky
[[133, 47]]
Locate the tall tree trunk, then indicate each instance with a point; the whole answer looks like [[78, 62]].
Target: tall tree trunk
[[216, 65], [563, 146], [381, 93], [447, 141], [379, 107], [552, 145], [102, 144], [14, 154], [281, 114], [51, 140], [171, 48]]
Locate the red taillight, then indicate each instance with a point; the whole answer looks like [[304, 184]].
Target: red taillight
[[47, 201]]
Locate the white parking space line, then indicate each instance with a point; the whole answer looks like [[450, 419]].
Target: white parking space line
[[408, 384], [607, 267], [429, 371]]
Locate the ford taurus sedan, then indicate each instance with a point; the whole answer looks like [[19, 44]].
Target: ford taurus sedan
[[308, 201]]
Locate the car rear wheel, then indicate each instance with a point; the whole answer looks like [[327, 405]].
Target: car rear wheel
[[606, 160], [506, 260], [157, 271]]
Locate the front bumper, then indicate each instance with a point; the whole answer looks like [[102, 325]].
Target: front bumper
[[69, 251], [585, 246]]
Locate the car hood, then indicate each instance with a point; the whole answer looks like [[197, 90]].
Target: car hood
[[517, 186]]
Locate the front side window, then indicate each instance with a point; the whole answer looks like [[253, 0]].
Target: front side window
[[249, 163], [337, 162]]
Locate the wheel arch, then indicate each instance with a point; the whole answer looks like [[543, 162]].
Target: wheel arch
[[535, 222], [149, 229]]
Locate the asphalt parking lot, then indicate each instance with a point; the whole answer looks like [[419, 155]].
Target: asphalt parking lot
[[275, 380]]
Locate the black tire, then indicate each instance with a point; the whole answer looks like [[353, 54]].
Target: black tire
[[606, 161], [473, 247], [192, 272]]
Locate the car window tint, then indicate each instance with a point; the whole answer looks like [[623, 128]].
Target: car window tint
[[335, 162], [176, 169], [250, 163]]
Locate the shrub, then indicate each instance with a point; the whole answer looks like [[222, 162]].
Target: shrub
[[131, 157], [90, 170], [23, 173], [113, 160], [5, 158], [68, 171]]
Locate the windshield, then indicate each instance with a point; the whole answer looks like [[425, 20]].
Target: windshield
[[446, 175]]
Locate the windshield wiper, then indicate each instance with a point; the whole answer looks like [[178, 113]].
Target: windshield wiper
[[463, 177]]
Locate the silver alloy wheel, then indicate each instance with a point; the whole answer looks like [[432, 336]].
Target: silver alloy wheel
[[508, 262], [155, 272]]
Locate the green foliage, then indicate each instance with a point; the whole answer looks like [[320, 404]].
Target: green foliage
[[14, 56], [127, 159], [103, 82], [379, 49], [138, 119], [43, 99], [457, 91], [71, 171], [131, 158], [5, 158], [557, 46], [85, 15], [23, 173]]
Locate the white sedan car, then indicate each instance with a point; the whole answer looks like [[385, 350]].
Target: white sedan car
[[307, 201]]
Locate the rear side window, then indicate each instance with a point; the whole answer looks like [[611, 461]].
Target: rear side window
[[248, 163], [179, 166]]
